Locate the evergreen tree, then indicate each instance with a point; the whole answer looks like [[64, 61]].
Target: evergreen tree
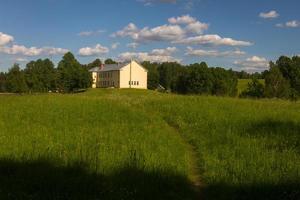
[[110, 61], [153, 75], [275, 84], [3, 82], [72, 76], [15, 80], [40, 76]]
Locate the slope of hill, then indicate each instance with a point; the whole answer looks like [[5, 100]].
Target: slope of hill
[[134, 144]]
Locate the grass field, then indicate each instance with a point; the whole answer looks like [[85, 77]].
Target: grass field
[[243, 84], [134, 144]]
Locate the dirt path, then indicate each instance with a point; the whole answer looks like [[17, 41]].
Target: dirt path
[[194, 175]]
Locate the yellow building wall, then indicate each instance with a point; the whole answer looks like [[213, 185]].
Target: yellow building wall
[[95, 80], [138, 76]]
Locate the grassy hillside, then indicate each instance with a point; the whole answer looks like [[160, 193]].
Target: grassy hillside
[[133, 144], [243, 84]]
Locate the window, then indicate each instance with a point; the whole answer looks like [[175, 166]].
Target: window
[[129, 83], [134, 83], [137, 83]]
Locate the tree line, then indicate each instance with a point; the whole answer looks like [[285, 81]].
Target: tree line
[[282, 80], [196, 78], [41, 76]]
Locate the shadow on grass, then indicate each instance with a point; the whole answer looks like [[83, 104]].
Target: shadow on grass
[[280, 191], [42, 180]]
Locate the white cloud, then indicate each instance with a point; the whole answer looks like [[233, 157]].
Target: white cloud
[[212, 40], [192, 24], [289, 24], [159, 33], [93, 51], [269, 15], [90, 33], [21, 60], [253, 64], [197, 27], [156, 55], [115, 45], [185, 19], [5, 39], [212, 53], [129, 30], [133, 45], [32, 51], [292, 24]]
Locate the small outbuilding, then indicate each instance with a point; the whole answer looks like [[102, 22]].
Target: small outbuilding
[[121, 75]]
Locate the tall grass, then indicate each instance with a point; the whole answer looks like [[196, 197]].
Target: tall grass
[[131, 144]]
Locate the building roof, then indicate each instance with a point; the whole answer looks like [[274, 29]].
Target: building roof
[[109, 67]]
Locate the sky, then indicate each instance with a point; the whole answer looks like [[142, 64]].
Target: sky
[[238, 34]]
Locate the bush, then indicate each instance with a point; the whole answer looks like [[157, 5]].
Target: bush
[[255, 90]]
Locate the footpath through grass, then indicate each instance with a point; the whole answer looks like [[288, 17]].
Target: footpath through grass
[[133, 144]]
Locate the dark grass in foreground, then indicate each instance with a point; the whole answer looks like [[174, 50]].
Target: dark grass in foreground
[[42, 179]]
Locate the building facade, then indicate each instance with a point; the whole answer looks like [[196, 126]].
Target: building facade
[[121, 75]]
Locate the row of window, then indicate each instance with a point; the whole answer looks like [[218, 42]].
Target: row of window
[[107, 83], [134, 83], [106, 74]]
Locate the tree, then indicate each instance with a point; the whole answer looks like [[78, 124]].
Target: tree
[[199, 79], [275, 84], [72, 76], [40, 76], [2, 82], [290, 69], [168, 74], [255, 89], [95, 63], [153, 75], [110, 61], [15, 80], [224, 82]]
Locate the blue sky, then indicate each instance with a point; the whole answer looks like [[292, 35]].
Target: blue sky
[[243, 35]]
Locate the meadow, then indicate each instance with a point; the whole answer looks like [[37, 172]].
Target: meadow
[[134, 144]]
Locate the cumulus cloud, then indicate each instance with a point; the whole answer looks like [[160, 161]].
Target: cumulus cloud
[[133, 45], [15, 49], [212, 53], [5, 39], [180, 30], [253, 64], [21, 60], [159, 33], [32, 51], [289, 24], [192, 24], [269, 15], [177, 28], [185, 19], [90, 33], [212, 40], [156, 55], [93, 51], [293, 24], [115, 45]]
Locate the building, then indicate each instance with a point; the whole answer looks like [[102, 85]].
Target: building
[[121, 75]]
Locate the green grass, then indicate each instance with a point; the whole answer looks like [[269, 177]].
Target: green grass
[[243, 84], [134, 144]]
